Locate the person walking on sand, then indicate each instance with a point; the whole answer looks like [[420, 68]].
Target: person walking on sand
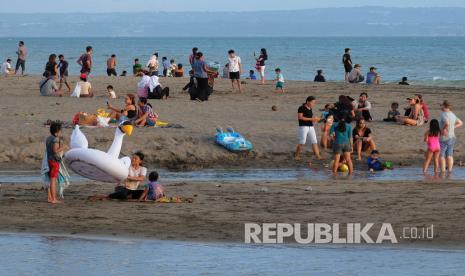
[[235, 69], [63, 69], [111, 66], [347, 61], [306, 128], [85, 61], [433, 146], [448, 122], [260, 65], [21, 61]]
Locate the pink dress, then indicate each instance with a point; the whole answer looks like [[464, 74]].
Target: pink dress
[[433, 143]]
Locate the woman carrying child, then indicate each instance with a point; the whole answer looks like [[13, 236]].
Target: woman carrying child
[[433, 146]]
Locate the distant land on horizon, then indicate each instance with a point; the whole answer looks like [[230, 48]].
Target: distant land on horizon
[[359, 21]]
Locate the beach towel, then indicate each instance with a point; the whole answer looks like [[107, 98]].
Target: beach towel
[[162, 124], [63, 177]]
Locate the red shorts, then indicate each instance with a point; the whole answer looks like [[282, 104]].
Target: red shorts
[[54, 168]]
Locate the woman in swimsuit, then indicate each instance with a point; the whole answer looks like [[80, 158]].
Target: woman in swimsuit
[[129, 112]]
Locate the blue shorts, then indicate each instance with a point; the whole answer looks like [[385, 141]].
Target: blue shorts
[[280, 84], [150, 122], [447, 147]]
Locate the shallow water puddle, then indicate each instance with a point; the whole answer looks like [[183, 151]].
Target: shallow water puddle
[[42, 255], [258, 175]]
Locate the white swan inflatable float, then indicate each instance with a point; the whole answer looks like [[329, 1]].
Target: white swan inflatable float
[[95, 164]]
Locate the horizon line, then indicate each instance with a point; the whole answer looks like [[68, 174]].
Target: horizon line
[[239, 11]]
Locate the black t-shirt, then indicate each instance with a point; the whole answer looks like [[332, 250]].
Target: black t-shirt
[[308, 113], [319, 78], [346, 59], [263, 58], [366, 133], [63, 68]]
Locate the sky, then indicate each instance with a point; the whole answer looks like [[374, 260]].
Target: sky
[[102, 6]]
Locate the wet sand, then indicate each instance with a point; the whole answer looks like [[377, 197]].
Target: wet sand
[[220, 209]]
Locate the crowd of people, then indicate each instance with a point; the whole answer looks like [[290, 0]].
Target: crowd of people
[[344, 124], [339, 133]]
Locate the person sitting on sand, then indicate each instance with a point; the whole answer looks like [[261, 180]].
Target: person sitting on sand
[[356, 75], [179, 73], [433, 146], [373, 77], [416, 117], [393, 113], [155, 89], [152, 190], [129, 111], [319, 76], [363, 107], [424, 107], [363, 138], [191, 87], [128, 189], [86, 87], [374, 162], [55, 148], [111, 94], [145, 116], [252, 75], [48, 86], [7, 70], [143, 85], [404, 81], [342, 133], [326, 139], [52, 65]]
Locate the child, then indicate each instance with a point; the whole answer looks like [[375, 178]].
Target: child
[[433, 149], [166, 66], [279, 80], [326, 139], [111, 92], [191, 87], [152, 190], [55, 149], [374, 162], [319, 76], [327, 110], [393, 113], [252, 75]]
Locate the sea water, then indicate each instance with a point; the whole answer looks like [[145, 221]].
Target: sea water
[[261, 175], [425, 60], [55, 255]]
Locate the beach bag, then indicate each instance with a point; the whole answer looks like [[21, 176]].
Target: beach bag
[[77, 91]]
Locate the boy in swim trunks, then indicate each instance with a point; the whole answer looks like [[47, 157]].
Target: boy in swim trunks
[[55, 148]]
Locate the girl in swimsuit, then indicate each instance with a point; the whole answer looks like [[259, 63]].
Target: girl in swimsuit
[[433, 146]]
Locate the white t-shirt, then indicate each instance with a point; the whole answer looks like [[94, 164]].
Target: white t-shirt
[[112, 94], [132, 185], [6, 68], [450, 119], [234, 64]]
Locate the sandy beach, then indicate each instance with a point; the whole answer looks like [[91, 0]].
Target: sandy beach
[[274, 134], [218, 213]]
